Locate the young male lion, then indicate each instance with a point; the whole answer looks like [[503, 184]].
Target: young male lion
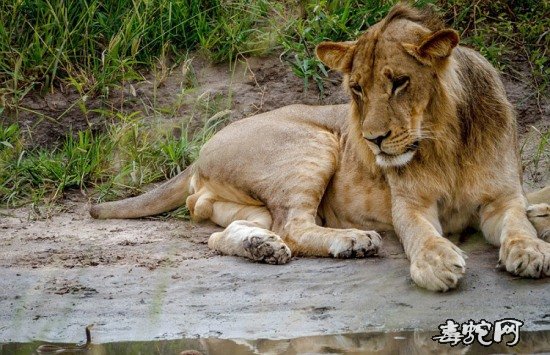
[[427, 146]]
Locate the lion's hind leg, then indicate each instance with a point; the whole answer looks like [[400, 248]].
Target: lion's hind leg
[[539, 215], [247, 233], [539, 212]]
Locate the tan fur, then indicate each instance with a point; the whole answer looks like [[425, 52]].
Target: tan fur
[[539, 212], [427, 147]]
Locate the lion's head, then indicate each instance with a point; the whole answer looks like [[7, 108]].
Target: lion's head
[[392, 72]]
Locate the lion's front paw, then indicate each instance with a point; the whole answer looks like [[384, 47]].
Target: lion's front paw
[[354, 243], [539, 215], [438, 265], [526, 257], [268, 248]]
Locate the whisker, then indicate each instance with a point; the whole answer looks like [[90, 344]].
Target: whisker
[[426, 134]]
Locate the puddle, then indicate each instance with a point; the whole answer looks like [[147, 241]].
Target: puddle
[[362, 343]]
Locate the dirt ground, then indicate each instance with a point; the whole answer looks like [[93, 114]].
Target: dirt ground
[[156, 279], [153, 279]]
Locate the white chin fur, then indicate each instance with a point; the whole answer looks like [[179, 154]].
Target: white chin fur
[[389, 161]]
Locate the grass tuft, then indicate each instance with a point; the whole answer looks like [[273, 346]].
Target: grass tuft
[[120, 162]]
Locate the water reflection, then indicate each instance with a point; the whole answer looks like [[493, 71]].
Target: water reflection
[[364, 343]]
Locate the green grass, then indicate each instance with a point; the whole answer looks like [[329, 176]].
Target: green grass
[[93, 46], [505, 31], [132, 154], [535, 152]]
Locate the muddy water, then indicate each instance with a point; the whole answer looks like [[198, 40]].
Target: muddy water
[[362, 343]]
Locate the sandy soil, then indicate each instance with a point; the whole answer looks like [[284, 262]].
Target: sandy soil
[[157, 279], [250, 86]]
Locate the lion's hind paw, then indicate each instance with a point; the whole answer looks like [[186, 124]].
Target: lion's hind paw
[[268, 248]]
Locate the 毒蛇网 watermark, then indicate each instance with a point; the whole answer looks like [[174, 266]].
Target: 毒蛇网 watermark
[[485, 333]]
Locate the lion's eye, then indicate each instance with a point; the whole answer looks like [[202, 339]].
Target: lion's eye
[[399, 84], [356, 89]]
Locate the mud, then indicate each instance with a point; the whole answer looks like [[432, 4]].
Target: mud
[[156, 279]]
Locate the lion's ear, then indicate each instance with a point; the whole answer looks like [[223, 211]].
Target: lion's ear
[[437, 46], [336, 55]]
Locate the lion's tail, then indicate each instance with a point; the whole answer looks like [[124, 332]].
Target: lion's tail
[[540, 196], [166, 197]]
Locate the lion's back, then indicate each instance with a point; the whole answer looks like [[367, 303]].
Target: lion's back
[[264, 152], [275, 133]]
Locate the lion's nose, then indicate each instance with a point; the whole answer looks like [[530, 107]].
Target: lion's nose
[[378, 138]]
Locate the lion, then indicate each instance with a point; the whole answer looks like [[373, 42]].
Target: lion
[[427, 146]]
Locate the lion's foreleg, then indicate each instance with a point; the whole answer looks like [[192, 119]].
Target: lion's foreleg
[[436, 263], [309, 239], [247, 233], [504, 223]]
